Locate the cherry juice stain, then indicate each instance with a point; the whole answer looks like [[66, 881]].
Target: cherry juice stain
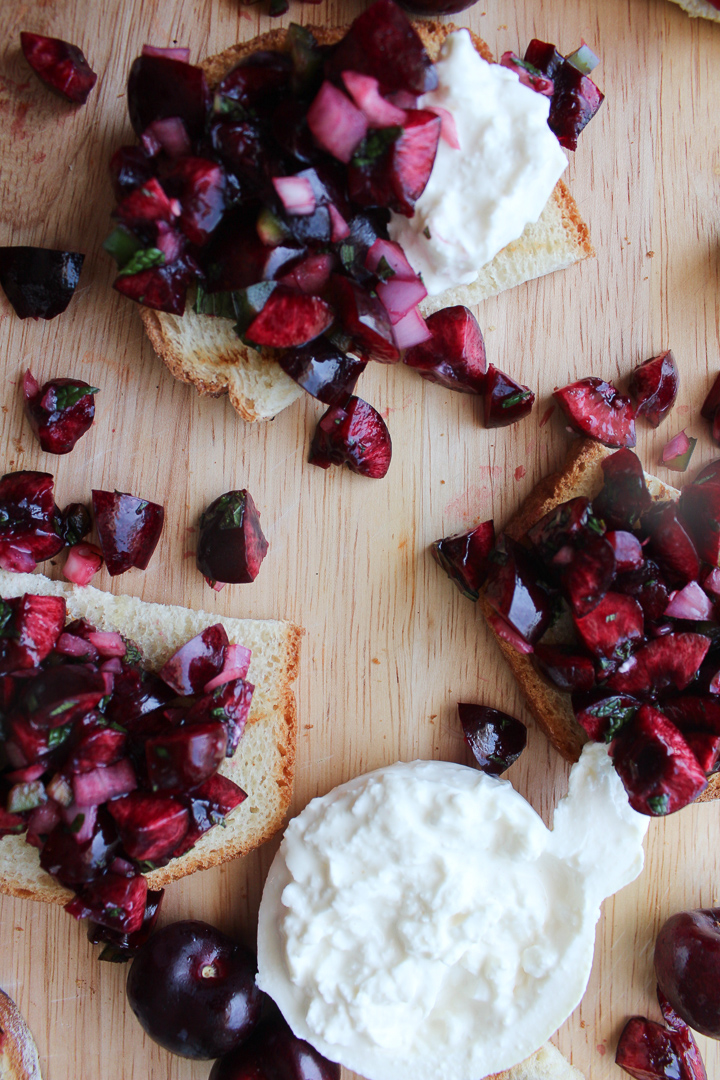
[[470, 504], [546, 416], [520, 472], [17, 128]]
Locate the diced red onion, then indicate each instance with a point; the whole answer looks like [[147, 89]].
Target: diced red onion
[[169, 135], [507, 633], [680, 444], [689, 603], [106, 782], [30, 385], [399, 296], [82, 563], [177, 52], [711, 583], [113, 665], [81, 830], [17, 560], [217, 586], [541, 84], [365, 92], [403, 99], [72, 645], [448, 127], [237, 663], [340, 227], [296, 194], [411, 330], [108, 679], [26, 775], [169, 240], [337, 125], [108, 642], [393, 255]]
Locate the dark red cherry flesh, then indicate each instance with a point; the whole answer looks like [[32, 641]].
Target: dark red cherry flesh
[[193, 990], [197, 661], [232, 545], [657, 767], [455, 355], [514, 591], [128, 529], [624, 497], [435, 7], [39, 282], [496, 739], [654, 385], [323, 370], [575, 98], [596, 409], [272, 1052], [649, 1051], [506, 401], [60, 65], [356, 436], [687, 966], [464, 557], [60, 412], [160, 88], [28, 532]]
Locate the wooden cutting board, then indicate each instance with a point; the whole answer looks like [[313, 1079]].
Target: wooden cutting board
[[391, 646]]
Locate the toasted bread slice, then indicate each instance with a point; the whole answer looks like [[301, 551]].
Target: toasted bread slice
[[581, 475], [263, 764], [699, 9], [18, 1053], [547, 1063], [206, 352]]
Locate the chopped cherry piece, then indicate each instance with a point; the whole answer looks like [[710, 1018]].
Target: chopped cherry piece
[[39, 282], [649, 1051], [569, 524], [150, 826], [627, 548], [654, 385], [82, 563], [365, 92], [136, 693], [575, 98], [365, 320], [506, 401], [668, 662], [464, 557], [115, 902], [27, 520], [514, 590], [159, 88], [32, 631], [391, 167], [197, 661], [612, 629], [603, 713], [496, 739], [119, 946], [60, 65], [699, 510], [356, 436], [147, 204], [565, 667], [586, 573], [60, 412], [289, 318], [130, 168], [199, 184], [186, 757], [323, 370], [58, 695], [76, 864], [595, 408], [382, 42], [645, 585], [128, 529], [670, 545], [255, 84], [624, 497], [232, 545], [657, 767], [163, 288], [690, 713], [455, 355], [230, 703], [95, 747], [706, 748]]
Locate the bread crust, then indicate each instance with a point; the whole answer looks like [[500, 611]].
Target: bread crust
[[18, 1052], [581, 475], [263, 764], [222, 364], [699, 9]]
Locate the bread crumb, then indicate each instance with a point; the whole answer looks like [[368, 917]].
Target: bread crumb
[[375, 660], [651, 254]]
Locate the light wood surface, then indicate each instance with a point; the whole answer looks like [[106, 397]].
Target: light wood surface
[[391, 646]]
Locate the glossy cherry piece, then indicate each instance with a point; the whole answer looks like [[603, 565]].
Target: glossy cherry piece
[[602, 713], [273, 1053], [323, 370], [514, 590], [596, 409], [571, 524], [128, 529], [575, 98], [197, 661], [455, 355], [496, 739], [654, 385], [612, 629], [565, 667], [356, 436], [160, 88], [687, 966], [365, 319], [506, 401], [30, 630], [115, 902], [39, 282], [27, 520], [464, 557], [60, 65], [586, 573], [185, 758], [289, 318], [657, 767], [193, 990], [624, 497], [232, 545], [649, 1051], [670, 544], [121, 946], [60, 412]]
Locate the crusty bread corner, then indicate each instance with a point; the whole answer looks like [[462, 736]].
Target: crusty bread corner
[[18, 1053], [206, 352], [699, 9], [581, 475], [263, 764], [547, 1063]]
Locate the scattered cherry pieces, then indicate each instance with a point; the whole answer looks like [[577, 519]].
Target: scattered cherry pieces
[[232, 545], [60, 412], [496, 739], [464, 557], [128, 529], [505, 400], [356, 436], [61, 66], [654, 385], [596, 409]]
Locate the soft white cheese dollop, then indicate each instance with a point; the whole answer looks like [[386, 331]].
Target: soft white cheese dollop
[[421, 921], [481, 196]]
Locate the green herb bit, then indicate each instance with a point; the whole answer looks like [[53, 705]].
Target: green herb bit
[[145, 259]]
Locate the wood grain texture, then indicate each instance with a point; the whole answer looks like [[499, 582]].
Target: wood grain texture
[[390, 646]]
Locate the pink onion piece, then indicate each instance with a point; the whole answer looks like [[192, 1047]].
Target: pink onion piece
[[16, 560], [711, 584], [30, 385], [403, 99], [448, 127], [340, 227], [26, 776], [237, 663], [108, 679], [535, 80], [113, 665], [169, 240], [507, 633], [365, 92], [690, 603], [83, 562], [177, 52], [337, 125], [72, 645], [43, 819], [399, 296], [714, 686], [216, 586], [411, 330], [81, 820], [296, 194], [677, 453], [108, 642], [106, 782], [393, 255], [169, 135]]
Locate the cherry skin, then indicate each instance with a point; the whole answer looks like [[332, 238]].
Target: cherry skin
[[274, 1053], [193, 990], [687, 965]]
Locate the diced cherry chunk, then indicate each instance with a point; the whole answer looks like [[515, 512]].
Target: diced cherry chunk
[[654, 385], [159, 88], [256, 83], [130, 168], [392, 168], [514, 593], [60, 412], [60, 65], [668, 662], [565, 666], [39, 282], [120, 946], [455, 355], [95, 747], [649, 1051], [670, 545], [575, 98], [128, 529], [230, 703], [289, 318], [365, 320], [586, 573], [506, 401], [613, 628], [570, 524], [33, 631], [356, 436], [163, 288], [624, 497], [28, 532], [627, 548], [232, 545], [596, 409], [646, 585], [323, 370], [150, 826], [57, 695], [186, 757], [115, 902], [199, 184], [197, 661], [73, 863], [496, 739], [699, 510], [602, 713], [464, 557], [657, 767]]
